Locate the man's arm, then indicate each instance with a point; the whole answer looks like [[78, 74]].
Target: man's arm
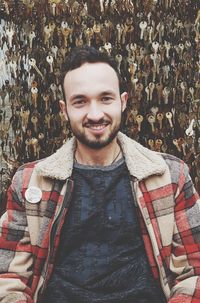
[[185, 257], [15, 249]]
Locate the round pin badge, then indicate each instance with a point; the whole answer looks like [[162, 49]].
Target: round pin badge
[[33, 194]]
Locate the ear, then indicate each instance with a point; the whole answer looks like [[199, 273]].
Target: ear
[[63, 109], [124, 99]]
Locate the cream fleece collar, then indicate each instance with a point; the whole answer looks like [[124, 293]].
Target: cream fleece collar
[[141, 162]]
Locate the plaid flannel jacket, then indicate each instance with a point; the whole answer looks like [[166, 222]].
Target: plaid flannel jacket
[[168, 206]]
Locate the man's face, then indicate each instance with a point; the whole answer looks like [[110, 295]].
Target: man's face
[[93, 104]]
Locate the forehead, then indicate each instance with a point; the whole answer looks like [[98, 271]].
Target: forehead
[[91, 76]]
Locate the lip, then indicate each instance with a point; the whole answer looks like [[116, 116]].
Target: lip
[[96, 130]]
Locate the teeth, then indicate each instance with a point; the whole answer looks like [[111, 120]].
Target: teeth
[[98, 127]]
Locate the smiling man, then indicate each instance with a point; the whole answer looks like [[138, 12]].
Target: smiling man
[[94, 107], [103, 219]]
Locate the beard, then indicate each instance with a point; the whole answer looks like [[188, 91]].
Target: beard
[[98, 142]]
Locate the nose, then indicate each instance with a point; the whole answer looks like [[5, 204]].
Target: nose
[[95, 112]]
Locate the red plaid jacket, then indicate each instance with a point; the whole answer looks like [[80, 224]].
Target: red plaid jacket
[[168, 206]]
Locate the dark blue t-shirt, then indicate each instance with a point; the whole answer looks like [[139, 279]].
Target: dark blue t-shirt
[[102, 257]]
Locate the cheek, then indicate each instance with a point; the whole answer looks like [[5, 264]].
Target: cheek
[[76, 116]]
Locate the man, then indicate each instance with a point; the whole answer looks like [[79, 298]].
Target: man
[[103, 219]]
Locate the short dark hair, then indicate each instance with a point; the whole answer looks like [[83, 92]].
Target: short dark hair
[[86, 54]]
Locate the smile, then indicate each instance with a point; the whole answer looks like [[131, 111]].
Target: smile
[[97, 127]]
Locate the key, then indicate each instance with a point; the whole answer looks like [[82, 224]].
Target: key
[[10, 33], [49, 59], [13, 65], [173, 95], [139, 90], [166, 70], [34, 143], [53, 6], [134, 82], [154, 58], [175, 142], [47, 120], [189, 131], [154, 110], [167, 46], [162, 52], [182, 144], [158, 145], [34, 120], [40, 136], [160, 117], [181, 47], [150, 31], [46, 101], [151, 119], [166, 92], [118, 58], [147, 90], [169, 118], [191, 90], [108, 47], [139, 119], [34, 94], [53, 88], [151, 143], [155, 46], [183, 88], [47, 34], [32, 63], [154, 71], [31, 36], [54, 50], [143, 26], [151, 89]]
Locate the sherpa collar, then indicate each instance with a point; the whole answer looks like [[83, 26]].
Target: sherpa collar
[[141, 162]]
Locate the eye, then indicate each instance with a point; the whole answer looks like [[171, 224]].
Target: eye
[[79, 103], [107, 99]]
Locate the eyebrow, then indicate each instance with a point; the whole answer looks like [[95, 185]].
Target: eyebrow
[[80, 96]]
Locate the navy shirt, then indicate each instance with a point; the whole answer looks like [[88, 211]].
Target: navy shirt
[[102, 256]]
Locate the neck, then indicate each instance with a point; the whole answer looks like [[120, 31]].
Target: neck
[[101, 157]]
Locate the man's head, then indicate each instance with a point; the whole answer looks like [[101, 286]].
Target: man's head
[[93, 104]]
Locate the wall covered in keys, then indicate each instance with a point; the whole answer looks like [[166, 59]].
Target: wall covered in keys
[[157, 48]]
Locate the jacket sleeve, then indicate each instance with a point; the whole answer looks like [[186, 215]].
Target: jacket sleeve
[[185, 257], [15, 249]]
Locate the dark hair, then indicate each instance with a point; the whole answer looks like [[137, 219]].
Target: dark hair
[[86, 54]]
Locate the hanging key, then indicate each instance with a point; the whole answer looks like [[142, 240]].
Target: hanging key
[[158, 145], [190, 131], [32, 63], [160, 117], [139, 119], [143, 26], [151, 89], [167, 47], [31, 36], [169, 118], [166, 92], [183, 88], [155, 46], [151, 143], [175, 142], [151, 119], [34, 94], [50, 61], [34, 120], [191, 90]]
